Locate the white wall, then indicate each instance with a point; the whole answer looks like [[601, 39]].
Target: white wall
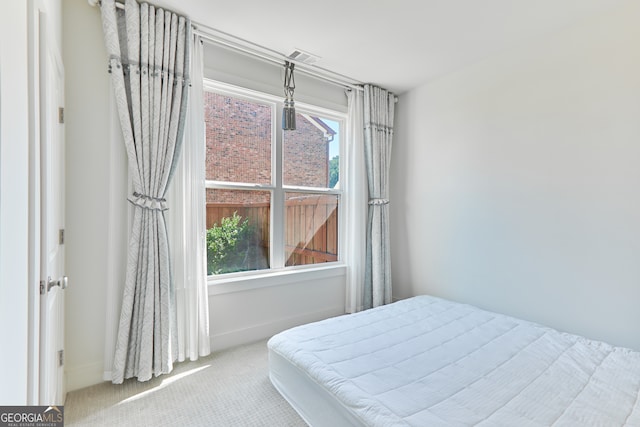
[[14, 203], [244, 315], [87, 160], [515, 182], [237, 316]]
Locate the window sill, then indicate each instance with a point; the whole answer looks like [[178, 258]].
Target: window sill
[[219, 286]]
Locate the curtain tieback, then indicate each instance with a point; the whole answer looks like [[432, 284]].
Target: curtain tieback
[[147, 202], [376, 202]]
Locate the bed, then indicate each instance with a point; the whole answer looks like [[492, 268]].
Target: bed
[[426, 361]]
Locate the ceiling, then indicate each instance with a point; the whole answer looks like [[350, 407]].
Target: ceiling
[[397, 44]]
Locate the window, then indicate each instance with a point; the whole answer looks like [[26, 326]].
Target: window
[[273, 196]]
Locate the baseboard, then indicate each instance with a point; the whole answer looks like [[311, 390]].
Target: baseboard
[[266, 330], [84, 376], [92, 373]]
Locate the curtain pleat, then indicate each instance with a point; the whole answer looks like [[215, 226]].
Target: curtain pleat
[[148, 51], [379, 106]]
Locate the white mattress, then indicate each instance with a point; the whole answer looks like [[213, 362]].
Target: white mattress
[[426, 361]]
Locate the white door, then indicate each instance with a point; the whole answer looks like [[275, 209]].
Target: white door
[[50, 113]]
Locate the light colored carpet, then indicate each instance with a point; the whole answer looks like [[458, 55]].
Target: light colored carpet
[[227, 388]]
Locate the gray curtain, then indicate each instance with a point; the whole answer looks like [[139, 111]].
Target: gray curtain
[[149, 53], [379, 107]]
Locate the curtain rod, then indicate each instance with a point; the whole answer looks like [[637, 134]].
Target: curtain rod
[[254, 50]]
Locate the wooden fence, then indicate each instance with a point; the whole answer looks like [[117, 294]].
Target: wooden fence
[[311, 226]]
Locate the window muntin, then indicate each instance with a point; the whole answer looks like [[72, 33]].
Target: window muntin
[[299, 170]]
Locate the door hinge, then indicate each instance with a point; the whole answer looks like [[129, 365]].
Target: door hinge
[[60, 358], [61, 236], [60, 115], [43, 287]]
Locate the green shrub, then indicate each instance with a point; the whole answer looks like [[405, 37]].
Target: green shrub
[[334, 171], [228, 245]]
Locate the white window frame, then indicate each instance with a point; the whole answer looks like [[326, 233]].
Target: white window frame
[[278, 274]]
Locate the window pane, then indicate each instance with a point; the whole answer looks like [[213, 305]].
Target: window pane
[[311, 228], [238, 136], [237, 230], [311, 152]]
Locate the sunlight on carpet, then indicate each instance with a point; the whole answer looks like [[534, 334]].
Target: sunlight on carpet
[[227, 388]]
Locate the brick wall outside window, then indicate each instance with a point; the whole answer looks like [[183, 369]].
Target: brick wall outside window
[[238, 135], [306, 155]]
